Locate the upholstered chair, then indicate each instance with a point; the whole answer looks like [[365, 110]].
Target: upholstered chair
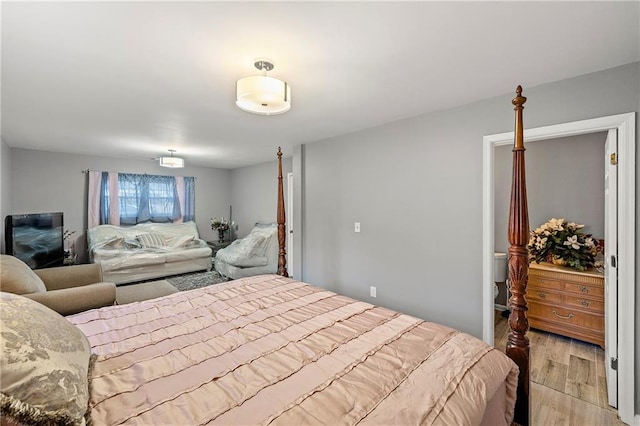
[[65, 289]]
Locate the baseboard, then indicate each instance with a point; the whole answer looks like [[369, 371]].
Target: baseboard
[[499, 307]]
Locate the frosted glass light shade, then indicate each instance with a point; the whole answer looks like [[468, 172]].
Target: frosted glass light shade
[[173, 162], [260, 94]]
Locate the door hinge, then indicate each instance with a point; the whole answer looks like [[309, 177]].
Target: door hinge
[[614, 261], [614, 364], [614, 159]]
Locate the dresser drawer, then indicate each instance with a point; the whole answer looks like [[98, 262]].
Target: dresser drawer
[[545, 283], [584, 289], [568, 316], [543, 295], [584, 303]]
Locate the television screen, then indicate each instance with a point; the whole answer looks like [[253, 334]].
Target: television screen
[[36, 239]]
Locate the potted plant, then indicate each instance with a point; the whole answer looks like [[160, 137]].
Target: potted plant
[[562, 243]]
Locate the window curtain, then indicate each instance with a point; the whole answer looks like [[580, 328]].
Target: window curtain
[[94, 200], [189, 211], [128, 199]]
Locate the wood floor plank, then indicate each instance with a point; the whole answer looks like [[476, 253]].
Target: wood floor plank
[[553, 375], [578, 399], [582, 391], [581, 380], [583, 350], [600, 366], [584, 413], [582, 370], [603, 396], [538, 344], [557, 348], [550, 407]]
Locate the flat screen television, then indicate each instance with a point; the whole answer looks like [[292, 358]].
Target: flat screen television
[[36, 238]]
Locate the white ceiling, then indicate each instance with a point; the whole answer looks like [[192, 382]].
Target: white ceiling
[[134, 79]]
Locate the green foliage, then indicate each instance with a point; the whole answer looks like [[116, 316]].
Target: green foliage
[[563, 241]]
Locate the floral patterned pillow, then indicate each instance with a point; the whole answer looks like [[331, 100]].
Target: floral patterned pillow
[[45, 362]]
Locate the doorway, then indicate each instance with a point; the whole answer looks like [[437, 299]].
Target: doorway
[[624, 124], [290, 222]]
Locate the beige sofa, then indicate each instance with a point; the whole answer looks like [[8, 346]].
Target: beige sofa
[[147, 250], [65, 289]]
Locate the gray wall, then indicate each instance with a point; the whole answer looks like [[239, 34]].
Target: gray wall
[[565, 178], [46, 181], [416, 187], [5, 187], [254, 193]]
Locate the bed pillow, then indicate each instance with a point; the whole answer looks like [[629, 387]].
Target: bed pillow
[[152, 240], [44, 365], [16, 277]]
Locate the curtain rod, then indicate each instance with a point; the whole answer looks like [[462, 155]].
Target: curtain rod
[[85, 171]]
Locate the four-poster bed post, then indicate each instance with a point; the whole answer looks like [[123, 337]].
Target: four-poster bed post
[[518, 232], [282, 253]]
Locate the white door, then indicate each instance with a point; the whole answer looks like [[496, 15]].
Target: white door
[[611, 270], [290, 223]]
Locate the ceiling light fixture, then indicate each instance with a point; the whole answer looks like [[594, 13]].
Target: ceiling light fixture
[[171, 161], [260, 94]]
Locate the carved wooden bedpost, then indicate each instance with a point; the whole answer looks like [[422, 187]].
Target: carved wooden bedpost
[[518, 342], [282, 237]]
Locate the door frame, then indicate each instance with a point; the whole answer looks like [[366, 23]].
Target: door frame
[[611, 272], [625, 125], [290, 222]]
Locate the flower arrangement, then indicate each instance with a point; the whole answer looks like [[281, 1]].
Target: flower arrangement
[[221, 224], [69, 248], [563, 243]]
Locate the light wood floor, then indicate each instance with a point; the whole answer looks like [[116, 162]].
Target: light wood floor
[[568, 385]]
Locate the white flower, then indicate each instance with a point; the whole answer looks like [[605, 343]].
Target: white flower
[[573, 242], [541, 243]]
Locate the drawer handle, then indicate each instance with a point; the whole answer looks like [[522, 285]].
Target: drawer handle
[[584, 289], [584, 302], [562, 316], [542, 294]]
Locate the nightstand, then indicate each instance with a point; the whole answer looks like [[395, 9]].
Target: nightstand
[[215, 246]]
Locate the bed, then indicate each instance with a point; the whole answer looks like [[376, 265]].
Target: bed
[[272, 350]]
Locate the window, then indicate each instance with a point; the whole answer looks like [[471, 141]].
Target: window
[[127, 199], [145, 198]]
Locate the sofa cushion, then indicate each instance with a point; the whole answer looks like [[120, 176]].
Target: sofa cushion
[[16, 277], [44, 365], [151, 240], [180, 241]]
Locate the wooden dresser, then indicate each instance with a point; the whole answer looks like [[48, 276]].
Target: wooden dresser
[[566, 302]]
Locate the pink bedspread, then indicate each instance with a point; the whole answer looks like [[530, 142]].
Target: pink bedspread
[[272, 350]]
